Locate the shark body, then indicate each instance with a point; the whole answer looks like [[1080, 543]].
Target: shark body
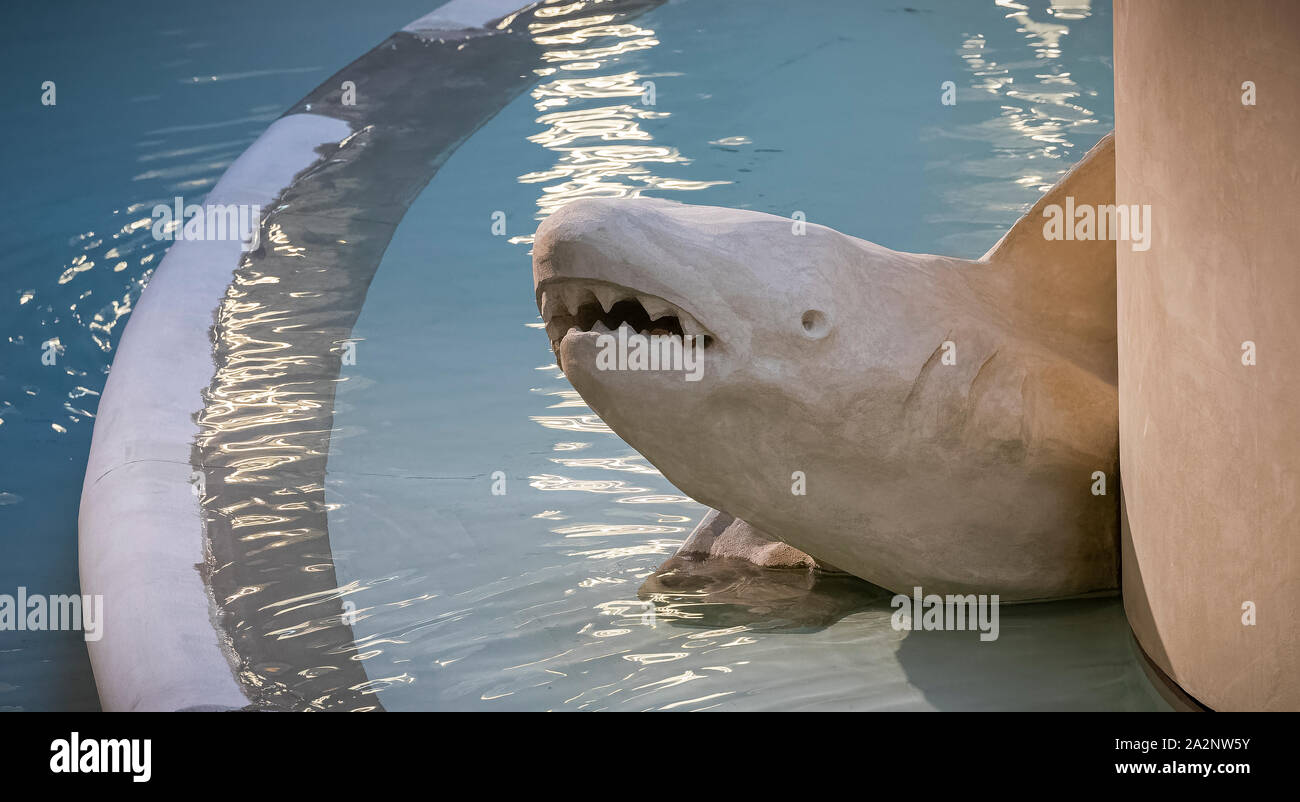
[[912, 419]]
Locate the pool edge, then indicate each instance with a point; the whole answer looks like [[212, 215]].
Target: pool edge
[[141, 538], [140, 532]]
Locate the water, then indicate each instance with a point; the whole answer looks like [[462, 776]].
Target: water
[[535, 599], [153, 101]]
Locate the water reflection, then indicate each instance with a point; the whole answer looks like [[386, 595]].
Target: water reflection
[[1029, 109], [74, 321], [723, 592], [1044, 107], [603, 150]]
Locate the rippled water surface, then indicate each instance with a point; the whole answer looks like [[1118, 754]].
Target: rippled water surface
[[153, 101]]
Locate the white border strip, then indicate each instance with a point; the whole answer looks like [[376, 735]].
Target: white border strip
[[461, 14], [141, 531]]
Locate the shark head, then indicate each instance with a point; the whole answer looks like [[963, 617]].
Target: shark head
[[777, 306], [911, 419]]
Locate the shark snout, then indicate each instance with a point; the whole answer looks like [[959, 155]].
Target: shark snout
[[740, 278], [601, 265], [620, 242]]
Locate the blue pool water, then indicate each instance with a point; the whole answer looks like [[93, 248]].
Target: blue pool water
[[530, 599], [153, 101]]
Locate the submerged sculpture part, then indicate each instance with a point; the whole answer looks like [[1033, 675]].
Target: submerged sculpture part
[[911, 419]]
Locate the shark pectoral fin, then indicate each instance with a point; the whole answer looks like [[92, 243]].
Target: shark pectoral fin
[[723, 535], [729, 574], [1061, 253]]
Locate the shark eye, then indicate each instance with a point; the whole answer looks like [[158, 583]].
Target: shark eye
[[815, 324]]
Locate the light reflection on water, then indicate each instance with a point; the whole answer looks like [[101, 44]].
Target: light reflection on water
[[603, 150], [1042, 114], [607, 151]]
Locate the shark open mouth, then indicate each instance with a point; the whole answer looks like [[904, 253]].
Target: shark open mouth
[[577, 306]]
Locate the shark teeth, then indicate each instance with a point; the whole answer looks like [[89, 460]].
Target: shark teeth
[[556, 329], [607, 295], [690, 325], [576, 296], [656, 307], [549, 306], [579, 305]]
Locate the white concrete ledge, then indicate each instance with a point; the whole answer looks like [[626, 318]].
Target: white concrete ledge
[[141, 535]]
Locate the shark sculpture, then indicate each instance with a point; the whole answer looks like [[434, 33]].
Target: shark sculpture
[[913, 420]]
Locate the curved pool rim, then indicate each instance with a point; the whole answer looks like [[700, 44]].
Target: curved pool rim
[[147, 544]]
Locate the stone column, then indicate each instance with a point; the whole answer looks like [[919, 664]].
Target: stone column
[[1209, 343]]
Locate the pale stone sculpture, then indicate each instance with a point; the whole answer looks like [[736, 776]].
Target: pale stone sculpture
[[914, 420]]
